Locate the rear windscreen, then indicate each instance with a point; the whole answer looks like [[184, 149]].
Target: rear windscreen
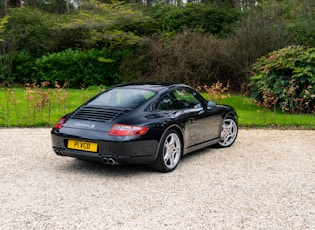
[[121, 97]]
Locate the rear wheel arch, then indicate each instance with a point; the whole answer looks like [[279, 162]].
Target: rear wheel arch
[[175, 127], [179, 130], [160, 163]]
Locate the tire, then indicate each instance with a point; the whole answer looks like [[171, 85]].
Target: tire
[[170, 152], [229, 132]]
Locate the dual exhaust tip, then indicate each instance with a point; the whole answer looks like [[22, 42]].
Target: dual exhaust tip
[[109, 161], [59, 152], [105, 160]]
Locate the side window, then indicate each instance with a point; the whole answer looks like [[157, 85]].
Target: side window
[[179, 99], [165, 103], [186, 99]]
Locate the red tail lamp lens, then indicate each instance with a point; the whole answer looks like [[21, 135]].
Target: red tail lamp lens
[[127, 130], [59, 124]]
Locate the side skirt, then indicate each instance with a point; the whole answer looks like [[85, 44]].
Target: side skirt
[[200, 146]]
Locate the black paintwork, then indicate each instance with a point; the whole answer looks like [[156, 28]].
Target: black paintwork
[[199, 127]]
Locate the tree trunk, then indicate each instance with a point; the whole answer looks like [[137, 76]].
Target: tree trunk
[[4, 8]]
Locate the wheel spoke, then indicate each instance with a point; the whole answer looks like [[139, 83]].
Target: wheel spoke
[[171, 160], [167, 154], [171, 141], [225, 140]]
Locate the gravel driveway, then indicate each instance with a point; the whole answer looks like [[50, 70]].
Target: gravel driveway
[[266, 180]]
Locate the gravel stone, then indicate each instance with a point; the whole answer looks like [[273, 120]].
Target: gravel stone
[[266, 180]]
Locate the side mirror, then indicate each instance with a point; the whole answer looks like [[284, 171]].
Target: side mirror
[[211, 104]]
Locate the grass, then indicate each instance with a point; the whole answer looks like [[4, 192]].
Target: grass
[[33, 107], [251, 115]]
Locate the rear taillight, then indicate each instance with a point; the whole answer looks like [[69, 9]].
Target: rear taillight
[[127, 130], [60, 123]]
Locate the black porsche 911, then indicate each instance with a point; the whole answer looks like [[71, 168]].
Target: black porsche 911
[[144, 123]]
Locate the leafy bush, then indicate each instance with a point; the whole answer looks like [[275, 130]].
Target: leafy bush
[[258, 33], [99, 25], [38, 32], [81, 68], [208, 18], [190, 57], [286, 79], [28, 29], [22, 67], [5, 73], [303, 31], [196, 58], [300, 21]]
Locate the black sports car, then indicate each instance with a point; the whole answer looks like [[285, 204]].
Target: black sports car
[[144, 123]]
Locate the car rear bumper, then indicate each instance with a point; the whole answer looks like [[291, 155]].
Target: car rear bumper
[[129, 152]]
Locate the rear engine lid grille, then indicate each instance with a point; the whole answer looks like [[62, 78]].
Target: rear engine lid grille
[[92, 113]]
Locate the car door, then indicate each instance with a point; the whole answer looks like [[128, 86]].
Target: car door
[[202, 123]]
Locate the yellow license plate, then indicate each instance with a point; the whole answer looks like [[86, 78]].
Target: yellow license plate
[[82, 145]]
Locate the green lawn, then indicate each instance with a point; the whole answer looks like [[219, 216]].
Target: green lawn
[[34, 108], [251, 115]]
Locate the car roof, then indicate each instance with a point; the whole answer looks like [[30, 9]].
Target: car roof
[[154, 86]]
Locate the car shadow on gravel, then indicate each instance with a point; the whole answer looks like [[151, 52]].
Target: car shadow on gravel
[[90, 167], [73, 165]]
